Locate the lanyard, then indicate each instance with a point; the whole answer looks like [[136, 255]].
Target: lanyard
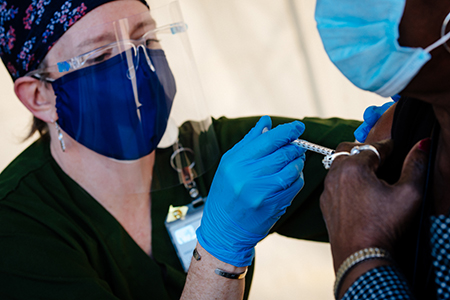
[[182, 221]]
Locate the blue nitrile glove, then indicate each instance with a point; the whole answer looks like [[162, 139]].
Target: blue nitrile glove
[[371, 116], [254, 184]]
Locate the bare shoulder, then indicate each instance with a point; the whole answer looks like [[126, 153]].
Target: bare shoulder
[[382, 129]]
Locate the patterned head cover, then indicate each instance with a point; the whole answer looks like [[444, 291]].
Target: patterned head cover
[[29, 29]]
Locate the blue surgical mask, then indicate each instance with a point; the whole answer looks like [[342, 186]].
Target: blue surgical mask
[[116, 112], [360, 37]]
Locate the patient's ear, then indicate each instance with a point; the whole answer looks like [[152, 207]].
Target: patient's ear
[[37, 96]]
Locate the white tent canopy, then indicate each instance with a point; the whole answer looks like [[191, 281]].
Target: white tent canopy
[[266, 57]]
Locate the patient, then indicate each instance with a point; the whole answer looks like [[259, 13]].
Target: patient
[[385, 208]]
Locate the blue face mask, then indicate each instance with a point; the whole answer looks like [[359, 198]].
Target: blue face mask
[[102, 109], [360, 37]]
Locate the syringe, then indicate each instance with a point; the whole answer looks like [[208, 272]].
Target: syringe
[[310, 146], [329, 153], [313, 147]]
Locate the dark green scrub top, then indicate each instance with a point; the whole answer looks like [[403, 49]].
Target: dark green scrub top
[[57, 242]]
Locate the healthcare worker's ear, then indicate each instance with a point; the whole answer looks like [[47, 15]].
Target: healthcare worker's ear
[[37, 96]]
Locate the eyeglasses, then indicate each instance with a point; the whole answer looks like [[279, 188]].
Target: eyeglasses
[[101, 54]]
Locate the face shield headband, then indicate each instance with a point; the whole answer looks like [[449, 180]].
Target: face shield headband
[[30, 28]]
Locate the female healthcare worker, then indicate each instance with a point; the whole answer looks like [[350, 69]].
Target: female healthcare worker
[[93, 209]]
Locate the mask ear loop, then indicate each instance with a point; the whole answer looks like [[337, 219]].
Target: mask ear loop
[[443, 29]]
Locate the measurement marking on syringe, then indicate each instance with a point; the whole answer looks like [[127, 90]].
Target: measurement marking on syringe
[[313, 147]]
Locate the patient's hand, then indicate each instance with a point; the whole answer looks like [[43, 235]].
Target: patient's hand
[[361, 210]]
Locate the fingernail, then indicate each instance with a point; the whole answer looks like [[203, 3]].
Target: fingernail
[[424, 145]]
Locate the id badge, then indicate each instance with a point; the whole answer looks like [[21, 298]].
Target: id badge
[[182, 223]]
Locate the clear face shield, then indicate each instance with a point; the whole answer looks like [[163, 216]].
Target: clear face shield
[[129, 89]]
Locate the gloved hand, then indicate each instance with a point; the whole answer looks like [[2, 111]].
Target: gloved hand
[[254, 184], [371, 116]]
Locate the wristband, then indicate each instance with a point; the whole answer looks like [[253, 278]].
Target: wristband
[[220, 272], [353, 260], [230, 275]]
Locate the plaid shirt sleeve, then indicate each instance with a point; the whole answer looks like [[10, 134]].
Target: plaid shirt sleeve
[[380, 283]]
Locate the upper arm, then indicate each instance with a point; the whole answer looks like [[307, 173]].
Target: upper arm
[[382, 128]]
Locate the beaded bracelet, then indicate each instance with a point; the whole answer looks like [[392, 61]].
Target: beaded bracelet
[[353, 260]]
